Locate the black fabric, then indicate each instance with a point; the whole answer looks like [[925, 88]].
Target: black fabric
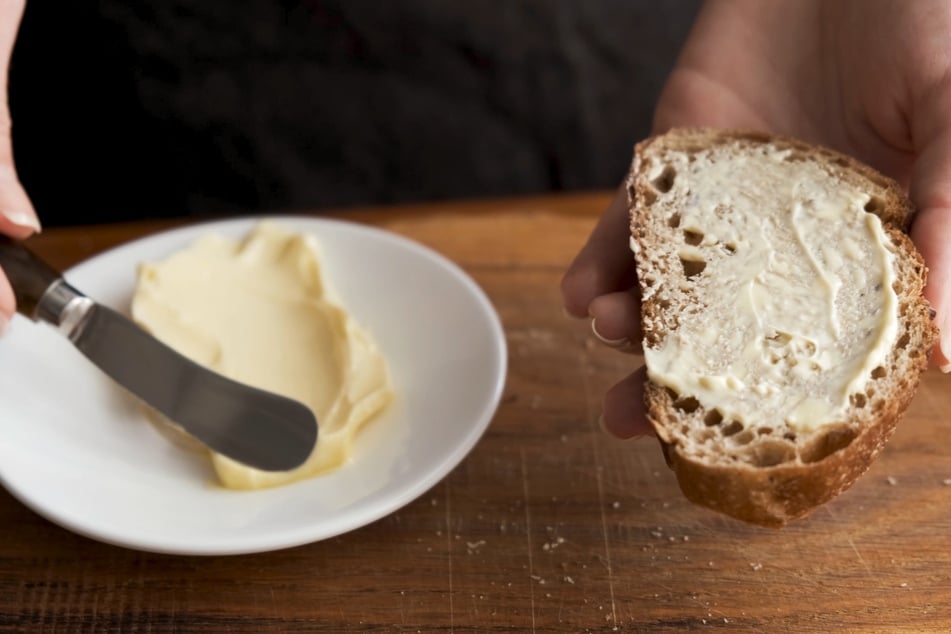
[[144, 108]]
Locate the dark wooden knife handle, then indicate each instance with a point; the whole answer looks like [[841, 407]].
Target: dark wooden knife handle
[[29, 276]]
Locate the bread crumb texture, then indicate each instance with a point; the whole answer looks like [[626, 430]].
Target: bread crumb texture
[[784, 323]]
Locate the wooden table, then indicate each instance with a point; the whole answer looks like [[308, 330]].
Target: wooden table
[[549, 524]]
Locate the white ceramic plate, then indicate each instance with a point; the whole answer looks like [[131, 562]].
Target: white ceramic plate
[[77, 450]]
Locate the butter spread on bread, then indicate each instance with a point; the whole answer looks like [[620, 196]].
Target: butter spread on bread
[[784, 323]]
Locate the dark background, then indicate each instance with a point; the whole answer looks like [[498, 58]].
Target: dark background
[[127, 109]]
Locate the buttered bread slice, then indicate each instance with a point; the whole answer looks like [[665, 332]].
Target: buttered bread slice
[[784, 323]]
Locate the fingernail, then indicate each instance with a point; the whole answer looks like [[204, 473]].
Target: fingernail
[[23, 219], [624, 342]]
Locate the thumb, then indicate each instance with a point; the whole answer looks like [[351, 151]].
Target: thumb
[[930, 189], [17, 216]]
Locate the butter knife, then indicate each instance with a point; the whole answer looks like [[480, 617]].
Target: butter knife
[[255, 427]]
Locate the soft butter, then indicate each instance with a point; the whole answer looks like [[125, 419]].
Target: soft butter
[[801, 307], [258, 311]]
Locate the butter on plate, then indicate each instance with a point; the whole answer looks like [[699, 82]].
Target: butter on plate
[[258, 310]]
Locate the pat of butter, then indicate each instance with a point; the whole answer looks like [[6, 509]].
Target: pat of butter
[[259, 311], [802, 298]]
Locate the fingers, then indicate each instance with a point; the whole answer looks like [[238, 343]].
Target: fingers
[[600, 283], [605, 264], [616, 320], [932, 233], [624, 415], [931, 191], [17, 216]]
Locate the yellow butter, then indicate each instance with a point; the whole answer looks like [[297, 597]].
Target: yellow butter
[[802, 307], [259, 311]]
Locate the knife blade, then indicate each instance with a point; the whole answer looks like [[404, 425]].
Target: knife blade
[[255, 427]]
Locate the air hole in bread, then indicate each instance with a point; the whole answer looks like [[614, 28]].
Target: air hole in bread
[[733, 428], [793, 157], [875, 205], [764, 431], [770, 453], [648, 195], [713, 418], [903, 341], [879, 373], [693, 268], [674, 221], [665, 182], [730, 248], [692, 238], [827, 444], [687, 404], [745, 437], [858, 400]]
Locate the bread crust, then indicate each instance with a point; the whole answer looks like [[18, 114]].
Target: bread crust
[[831, 459]]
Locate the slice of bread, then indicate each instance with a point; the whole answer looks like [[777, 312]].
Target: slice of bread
[[778, 362]]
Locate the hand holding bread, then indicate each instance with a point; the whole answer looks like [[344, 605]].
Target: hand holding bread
[[810, 70], [784, 323]]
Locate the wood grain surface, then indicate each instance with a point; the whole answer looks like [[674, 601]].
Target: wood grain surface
[[548, 525]]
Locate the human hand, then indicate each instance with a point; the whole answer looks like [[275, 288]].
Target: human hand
[[17, 217], [871, 78]]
